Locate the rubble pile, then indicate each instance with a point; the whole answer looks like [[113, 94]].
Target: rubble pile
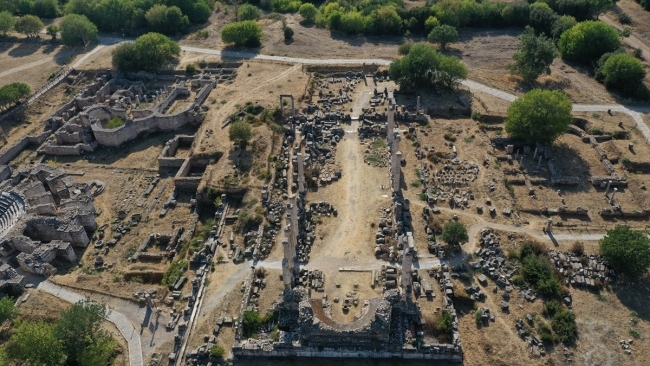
[[588, 270], [384, 238]]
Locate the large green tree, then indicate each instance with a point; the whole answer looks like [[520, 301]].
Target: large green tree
[[443, 34], [627, 250], [534, 55], [245, 33], [36, 344], [78, 326], [167, 20], [149, 52], [587, 41], [7, 22], [561, 25], [29, 25], [539, 116], [99, 352], [12, 93], [424, 67], [454, 233], [47, 9], [77, 30], [240, 133], [542, 17]]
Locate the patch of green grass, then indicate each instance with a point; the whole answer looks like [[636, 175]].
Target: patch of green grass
[[378, 144], [601, 298], [422, 196], [114, 122], [416, 183], [498, 132], [634, 333], [497, 166], [450, 137], [374, 158], [469, 139]]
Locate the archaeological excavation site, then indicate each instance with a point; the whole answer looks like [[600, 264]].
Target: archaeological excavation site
[[361, 183]]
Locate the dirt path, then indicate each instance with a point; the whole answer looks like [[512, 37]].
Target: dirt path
[[635, 40]]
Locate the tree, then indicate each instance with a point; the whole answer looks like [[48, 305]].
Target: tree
[[424, 67], [200, 13], [7, 22], [99, 352], [539, 116], [534, 55], [385, 21], [627, 250], [12, 93], [52, 30], [167, 20], [250, 323], [240, 133], [561, 25], [622, 72], [597, 7], [431, 23], [36, 344], [77, 30], [245, 33], [47, 9], [443, 34], [217, 351], [149, 52], [79, 325], [29, 25], [542, 17], [248, 12], [308, 12], [451, 71], [288, 33], [587, 41], [7, 309], [454, 233]]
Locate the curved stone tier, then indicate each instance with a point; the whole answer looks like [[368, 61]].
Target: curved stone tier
[[12, 208]]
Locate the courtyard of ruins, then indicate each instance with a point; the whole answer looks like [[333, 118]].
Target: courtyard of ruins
[[125, 188]]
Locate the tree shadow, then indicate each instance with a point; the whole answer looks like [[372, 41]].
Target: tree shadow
[[360, 40], [634, 295], [288, 41], [569, 161], [24, 49]]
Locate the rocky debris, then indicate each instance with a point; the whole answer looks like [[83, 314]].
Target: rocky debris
[[385, 241], [312, 278], [582, 270]]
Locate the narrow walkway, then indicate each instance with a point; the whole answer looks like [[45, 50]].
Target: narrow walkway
[[126, 328]]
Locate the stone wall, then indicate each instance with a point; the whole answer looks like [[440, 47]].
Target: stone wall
[[325, 353]]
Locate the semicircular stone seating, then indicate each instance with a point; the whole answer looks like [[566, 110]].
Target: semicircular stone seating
[[12, 208]]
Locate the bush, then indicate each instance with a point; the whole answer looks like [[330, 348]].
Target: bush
[[174, 272], [286, 6], [587, 41], [627, 250], [251, 322], [578, 248], [431, 23], [532, 247], [542, 17], [539, 116], [248, 12], [288, 33], [48, 9], [77, 30], [553, 307], [476, 116], [149, 52], [13, 93], [478, 317], [537, 271], [561, 25], [29, 25], [404, 48], [445, 321], [7, 309], [623, 73], [308, 12], [624, 18], [190, 68], [564, 325], [217, 351], [52, 30], [534, 55], [245, 33]]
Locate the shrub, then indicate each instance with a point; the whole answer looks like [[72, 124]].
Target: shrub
[[217, 351], [29, 25], [12, 93], [624, 18], [248, 12], [553, 307], [288, 33], [167, 20], [251, 322], [149, 52], [190, 68], [478, 317], [404, 48], [587, 41], [7, 309], [443, 34], [476, 115], [537, 271], [532, 247], [623, 73], [308, 12], [534, 55], [450, 137], [564, 325], [174, 272], [445, 321], [245, 33], [578, 248], [285, 6]]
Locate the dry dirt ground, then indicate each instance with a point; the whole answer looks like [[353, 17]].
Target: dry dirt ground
[[32, 61], [640, 17], [603, 320]]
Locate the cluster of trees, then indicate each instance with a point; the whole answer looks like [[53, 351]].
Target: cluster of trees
[[28, 25], [149, 52], [75, 30], [115, 15], [76, 338], [47, 9], [423, 67], [12, 93]]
